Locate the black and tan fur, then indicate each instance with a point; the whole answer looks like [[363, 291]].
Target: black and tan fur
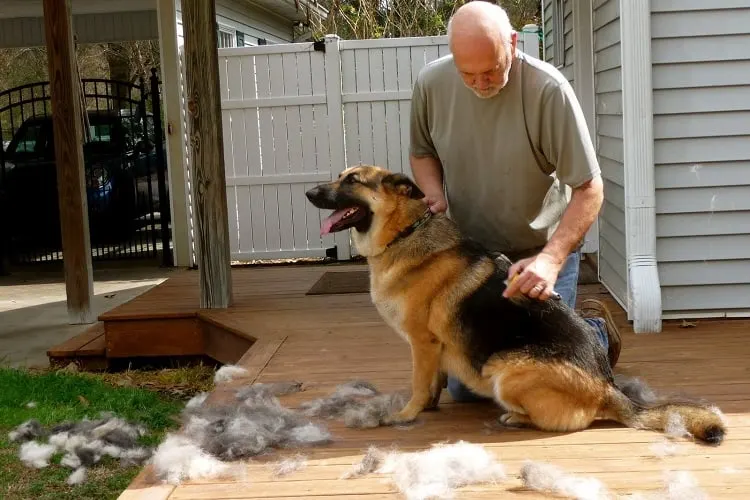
[[442, 293]]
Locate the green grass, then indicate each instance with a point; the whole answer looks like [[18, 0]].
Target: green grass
[[66, 396]]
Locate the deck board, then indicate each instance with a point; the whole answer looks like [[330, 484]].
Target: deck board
[[322, 341]]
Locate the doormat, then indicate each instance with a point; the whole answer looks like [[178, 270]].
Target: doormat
[[337, 282]]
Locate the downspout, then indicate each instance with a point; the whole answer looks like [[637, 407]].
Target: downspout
[[544, 33], [644, 290]]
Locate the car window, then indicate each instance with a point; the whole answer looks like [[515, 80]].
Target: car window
[[28, 140], [100, 132]]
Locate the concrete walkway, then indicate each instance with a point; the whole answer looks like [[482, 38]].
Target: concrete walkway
[[33, 313]]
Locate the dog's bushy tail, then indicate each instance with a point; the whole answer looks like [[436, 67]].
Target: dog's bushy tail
[[632, 403]]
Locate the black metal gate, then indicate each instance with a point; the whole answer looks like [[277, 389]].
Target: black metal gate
[[124, 164]]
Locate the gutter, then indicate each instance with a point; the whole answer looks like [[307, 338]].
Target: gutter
[[544, 33], [644, 289]]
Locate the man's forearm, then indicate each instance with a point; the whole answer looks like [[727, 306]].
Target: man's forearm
[[428, 174], [577, 219]]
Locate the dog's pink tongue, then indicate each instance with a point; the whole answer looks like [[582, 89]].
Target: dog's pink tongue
[[329, 221]]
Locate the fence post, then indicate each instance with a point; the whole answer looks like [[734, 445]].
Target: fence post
[[336, 128], [165, 215], [530, 37]]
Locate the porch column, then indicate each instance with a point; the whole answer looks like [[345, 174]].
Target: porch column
[[207, 152], [66, 121], [172, 103]]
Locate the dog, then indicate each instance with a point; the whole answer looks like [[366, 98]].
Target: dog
[[443, 294]]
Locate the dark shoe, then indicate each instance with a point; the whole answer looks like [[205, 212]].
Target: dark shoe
[[592, 308]]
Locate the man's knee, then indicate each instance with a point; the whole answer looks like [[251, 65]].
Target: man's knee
[[460, 393]]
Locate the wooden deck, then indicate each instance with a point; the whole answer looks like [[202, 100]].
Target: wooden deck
[[322, 341]]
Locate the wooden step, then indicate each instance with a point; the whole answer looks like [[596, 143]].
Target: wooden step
[[87, 349]]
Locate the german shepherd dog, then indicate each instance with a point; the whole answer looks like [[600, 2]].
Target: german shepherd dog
[[443, 293]]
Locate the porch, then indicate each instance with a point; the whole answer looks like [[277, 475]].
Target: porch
[[324, 340]]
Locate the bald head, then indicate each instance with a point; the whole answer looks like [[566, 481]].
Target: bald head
[[482, 42], [479, 22]]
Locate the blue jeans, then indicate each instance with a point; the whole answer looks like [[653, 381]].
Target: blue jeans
[[567, 286]]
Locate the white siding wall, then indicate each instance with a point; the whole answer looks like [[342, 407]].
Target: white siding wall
[[608, 89], [254, 23], [701, 70], [564, 60], [89, 28]]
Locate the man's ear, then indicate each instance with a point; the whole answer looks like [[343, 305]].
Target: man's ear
[[403, 185]]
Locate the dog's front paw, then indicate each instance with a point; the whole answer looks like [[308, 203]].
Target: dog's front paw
[[406, 416]]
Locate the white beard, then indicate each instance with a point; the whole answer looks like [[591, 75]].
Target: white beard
[[492, 92]]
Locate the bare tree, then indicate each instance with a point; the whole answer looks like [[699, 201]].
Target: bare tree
[[358, 19]]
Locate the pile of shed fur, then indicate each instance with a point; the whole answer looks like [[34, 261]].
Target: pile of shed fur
[[83, 444], [215, 441]]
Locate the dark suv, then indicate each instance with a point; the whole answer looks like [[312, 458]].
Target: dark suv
[[120, 173]]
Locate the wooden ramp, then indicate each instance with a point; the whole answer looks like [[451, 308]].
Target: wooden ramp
[[324, 340]]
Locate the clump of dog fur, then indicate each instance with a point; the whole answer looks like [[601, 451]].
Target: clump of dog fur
[[213, 438], [358, 403], [83, 444], [435, 472]]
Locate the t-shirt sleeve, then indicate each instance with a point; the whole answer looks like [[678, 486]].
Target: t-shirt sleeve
[[420, 141], [566, 141]]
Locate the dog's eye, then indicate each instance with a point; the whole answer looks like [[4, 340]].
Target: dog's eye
[[351, 179]]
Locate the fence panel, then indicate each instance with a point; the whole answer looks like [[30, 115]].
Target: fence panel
[[275, 122], [377, 80], [298, 114]]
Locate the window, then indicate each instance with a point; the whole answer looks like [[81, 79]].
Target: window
[[226, 37]]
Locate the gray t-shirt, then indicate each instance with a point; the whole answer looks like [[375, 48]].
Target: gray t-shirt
[[498, 191]]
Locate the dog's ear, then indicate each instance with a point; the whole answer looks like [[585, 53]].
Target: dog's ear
[[403, 185]]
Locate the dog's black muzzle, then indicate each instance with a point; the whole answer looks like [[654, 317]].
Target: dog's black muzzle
[[322, 196]]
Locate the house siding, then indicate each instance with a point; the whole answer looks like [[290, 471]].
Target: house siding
[[701, 66], [608, 97], [253, 23], [568, 60], [89, 28]]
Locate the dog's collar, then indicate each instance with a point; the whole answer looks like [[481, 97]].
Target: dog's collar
[[413, 227]]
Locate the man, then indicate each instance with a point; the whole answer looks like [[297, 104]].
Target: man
[[498, 139]]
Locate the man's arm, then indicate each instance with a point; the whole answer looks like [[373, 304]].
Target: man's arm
[[428, 174], [423, 158], [565, 141], [577, 219]]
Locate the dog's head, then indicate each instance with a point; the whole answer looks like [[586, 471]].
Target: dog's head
[[362, 197]]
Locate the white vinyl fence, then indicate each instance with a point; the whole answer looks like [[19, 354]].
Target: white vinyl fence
[[297, 114]]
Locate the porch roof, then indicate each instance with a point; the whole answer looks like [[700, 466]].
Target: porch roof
[[94, 21], [101, 21]]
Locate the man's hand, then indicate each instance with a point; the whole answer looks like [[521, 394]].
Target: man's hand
[[536, 277], [437, 203]]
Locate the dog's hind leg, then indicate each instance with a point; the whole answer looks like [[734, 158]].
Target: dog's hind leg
[[424, 383], [514, 419], [551, 397]]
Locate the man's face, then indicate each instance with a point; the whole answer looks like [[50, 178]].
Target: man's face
[[484, 68]]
